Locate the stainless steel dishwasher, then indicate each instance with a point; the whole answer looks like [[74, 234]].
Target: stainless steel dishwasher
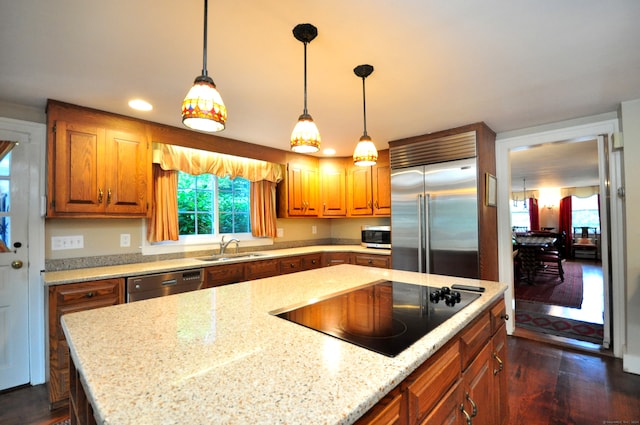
[[163, 284]]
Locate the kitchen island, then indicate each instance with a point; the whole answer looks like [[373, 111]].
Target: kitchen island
[[218, 356]]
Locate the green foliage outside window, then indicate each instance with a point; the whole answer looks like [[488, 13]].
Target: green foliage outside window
[[206, 202]]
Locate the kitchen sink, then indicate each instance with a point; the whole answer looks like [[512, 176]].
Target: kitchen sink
[[228, 257]]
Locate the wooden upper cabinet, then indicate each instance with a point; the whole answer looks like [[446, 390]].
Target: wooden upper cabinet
[[360, 199], [298, 193], [99, 165], [333, 188], [369, 188], [381, 185]]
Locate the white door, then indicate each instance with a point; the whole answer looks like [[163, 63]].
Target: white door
[[14, 278]]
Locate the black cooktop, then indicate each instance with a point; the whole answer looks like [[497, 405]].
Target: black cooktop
[[383, 316]]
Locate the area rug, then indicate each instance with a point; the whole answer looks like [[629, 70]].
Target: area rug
[[559, 326], [548, 289]]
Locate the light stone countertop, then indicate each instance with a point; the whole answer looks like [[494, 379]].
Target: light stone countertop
[[94, 273], [216, 356]]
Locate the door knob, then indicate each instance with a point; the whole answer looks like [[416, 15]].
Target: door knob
[[17, 264]]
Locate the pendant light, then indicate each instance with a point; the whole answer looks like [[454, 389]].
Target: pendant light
[[305, 137], [365, 153], [203, 108]]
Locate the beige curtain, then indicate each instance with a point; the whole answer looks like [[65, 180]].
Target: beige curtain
[[169, 159], [263, 209], [163, 224]]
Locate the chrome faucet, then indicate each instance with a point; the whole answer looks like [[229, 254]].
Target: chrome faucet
[[224, 245]]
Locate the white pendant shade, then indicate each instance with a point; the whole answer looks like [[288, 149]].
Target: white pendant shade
[[305, 137], [365, 154]]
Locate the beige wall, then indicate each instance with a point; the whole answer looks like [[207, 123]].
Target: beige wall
[[630, 117], [102, 236]]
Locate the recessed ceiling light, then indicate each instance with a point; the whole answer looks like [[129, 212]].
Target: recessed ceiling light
[[329, 151], [140, 105]]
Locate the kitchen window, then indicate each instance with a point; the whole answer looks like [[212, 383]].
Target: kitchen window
[[210, 205]]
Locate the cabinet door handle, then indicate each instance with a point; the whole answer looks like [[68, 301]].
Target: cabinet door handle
[[473, 405], [504, 317], [100, 195], [500, 364], [108, 196], [375, 204], [89, 294], [464, 412]]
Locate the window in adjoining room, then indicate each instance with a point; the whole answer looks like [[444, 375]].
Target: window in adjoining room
[[585, 212]]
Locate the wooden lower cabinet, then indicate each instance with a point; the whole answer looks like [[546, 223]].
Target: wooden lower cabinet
[[71, 298], [223, 275], [261, 268], [382, 261], [336, 258], [464, 383]]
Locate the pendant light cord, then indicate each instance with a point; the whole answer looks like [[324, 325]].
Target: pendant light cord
[[305, 112], [364, 108], [204, 48]]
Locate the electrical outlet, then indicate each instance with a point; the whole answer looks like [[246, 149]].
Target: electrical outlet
[[67, 242], [280, 232], [314, 229], [125, 240]]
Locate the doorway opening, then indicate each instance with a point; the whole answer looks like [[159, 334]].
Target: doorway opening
[[559, 288]]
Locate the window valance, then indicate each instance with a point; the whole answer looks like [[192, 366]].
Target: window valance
[[196, 162], [579, 192]]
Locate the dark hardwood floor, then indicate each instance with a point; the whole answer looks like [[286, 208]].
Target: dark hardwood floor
[[548, 385]]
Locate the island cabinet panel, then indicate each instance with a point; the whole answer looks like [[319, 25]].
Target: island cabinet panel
[[99, 165], [382, 261], [223, 274], [70, 298], [430, 381], [463, 382], [389, 411]]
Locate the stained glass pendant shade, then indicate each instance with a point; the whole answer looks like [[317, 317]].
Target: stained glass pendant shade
[[365, 154], [203, 108]]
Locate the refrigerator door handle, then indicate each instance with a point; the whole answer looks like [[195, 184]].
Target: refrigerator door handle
[[427, 227], [420, 231]]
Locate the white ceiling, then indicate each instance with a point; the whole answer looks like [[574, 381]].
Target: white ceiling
[[555, 165], [438, 64]]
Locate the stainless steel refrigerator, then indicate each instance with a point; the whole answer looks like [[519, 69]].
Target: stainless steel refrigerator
[[434, 218]]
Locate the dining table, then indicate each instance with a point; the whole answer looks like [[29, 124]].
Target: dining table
[[528, 248]]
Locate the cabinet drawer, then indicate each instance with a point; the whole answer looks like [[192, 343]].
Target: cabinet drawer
[[473, 338], [223, 275], [372, 261], [431, 380], [312, 261], [388, 411], [336, 258], [262, 268], [291, 265], [75, 293]]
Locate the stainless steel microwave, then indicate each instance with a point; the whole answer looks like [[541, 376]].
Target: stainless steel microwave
[[376, 236]]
